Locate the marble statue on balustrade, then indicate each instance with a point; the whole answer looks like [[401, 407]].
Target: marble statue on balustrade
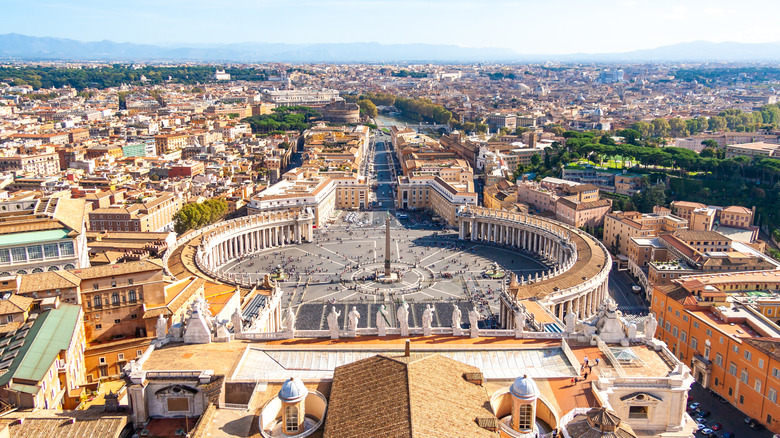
[[402, 315], [571, 322], [353, 319], [238, 322], [333, 323], [456, 317], [162, 327], [381, 320], [289, 323], [474, 322], [427, 319], [651, 325], [607, 323], [520, 318]]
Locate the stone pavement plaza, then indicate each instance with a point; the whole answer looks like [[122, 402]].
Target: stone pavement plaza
[[433, 266]]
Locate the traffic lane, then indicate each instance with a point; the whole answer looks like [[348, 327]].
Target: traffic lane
[[620, 282], [724, 413]]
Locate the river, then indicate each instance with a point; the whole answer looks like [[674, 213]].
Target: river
[[386, 120]]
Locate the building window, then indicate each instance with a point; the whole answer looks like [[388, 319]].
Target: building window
[[120, 356], [102, 361], [761, 364], [772, 395], [733, 369], [775, 373], [95, 286], [98, 326], [709, 332], [291, 419], [525, 420], [97, 301], [695, 324], [117, 321], [638, 412], [735, 348], [694, 343], [748, 355], [742, 399], [131, 296], [115, 299], [744, 376], [757, 385]]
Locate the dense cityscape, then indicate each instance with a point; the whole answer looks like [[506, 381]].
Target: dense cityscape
[[389, 249]]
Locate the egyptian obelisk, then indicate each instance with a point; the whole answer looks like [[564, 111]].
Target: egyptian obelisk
[[387, 246]]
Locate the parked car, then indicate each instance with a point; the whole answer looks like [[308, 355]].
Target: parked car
[[694, 406], [716, 426]]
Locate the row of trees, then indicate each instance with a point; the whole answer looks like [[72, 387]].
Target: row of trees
[[118, 74], [422, 110], [766, 118], [193, 216], [283, 118]]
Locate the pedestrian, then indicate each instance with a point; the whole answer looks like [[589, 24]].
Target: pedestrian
[[573, 380], [585, 377], [597, 361]]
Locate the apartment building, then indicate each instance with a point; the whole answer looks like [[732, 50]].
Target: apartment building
[[168, 143], [703, 217], [731, 347], [621, 226], [432, 193], [758, 149], [154, 214], [38, 235], [43, 360], [305, 188], [41, 160], [573, 203]]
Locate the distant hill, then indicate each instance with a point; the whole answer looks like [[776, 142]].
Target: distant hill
[[22, 47], [692, 51]]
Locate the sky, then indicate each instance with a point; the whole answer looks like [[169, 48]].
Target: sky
[[528, 27]]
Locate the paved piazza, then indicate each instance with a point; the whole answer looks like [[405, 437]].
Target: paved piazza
[[338, 267]]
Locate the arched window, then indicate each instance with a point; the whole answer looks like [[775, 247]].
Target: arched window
[[525, 421], [97, 302], [291, 419], [115, 299], [131, 296], [53, 268], [37, 270]]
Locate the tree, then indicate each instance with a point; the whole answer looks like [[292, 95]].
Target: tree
[[367, 108], [661, 127], [678, 127], [654, 195], [193, 216], [535, 160]]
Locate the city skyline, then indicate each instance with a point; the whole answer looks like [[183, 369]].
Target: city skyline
[[603, 27]]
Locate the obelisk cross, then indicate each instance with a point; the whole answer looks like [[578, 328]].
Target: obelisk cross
[[387, 246]]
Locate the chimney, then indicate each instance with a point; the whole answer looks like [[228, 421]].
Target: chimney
[[408, 349]]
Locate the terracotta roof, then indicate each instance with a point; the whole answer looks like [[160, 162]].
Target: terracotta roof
[[42, 281], [15, 304], [61, 425], [393, 396], [118, 269], [769, 346]]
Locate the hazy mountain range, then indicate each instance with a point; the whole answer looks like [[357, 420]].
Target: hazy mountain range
[[28, 48]]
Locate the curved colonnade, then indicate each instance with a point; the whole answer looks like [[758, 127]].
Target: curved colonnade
[[249, 234], [579, 279]]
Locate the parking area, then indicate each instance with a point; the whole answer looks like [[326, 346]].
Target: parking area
[[729, 417]]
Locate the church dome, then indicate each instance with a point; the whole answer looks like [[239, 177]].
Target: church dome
[[525, 388], [293, 390]]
